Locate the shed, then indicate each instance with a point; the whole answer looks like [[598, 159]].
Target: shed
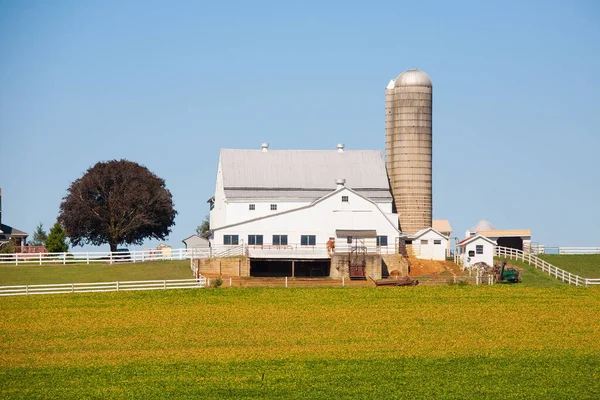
[[196, 242], [429, 244], [476, 249]]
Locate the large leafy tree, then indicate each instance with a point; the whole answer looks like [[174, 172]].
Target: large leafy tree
[[117, 202]]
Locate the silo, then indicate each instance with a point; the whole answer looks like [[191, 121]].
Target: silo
[[408, 148]]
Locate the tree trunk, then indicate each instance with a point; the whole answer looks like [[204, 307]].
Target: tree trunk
[[113, 246]]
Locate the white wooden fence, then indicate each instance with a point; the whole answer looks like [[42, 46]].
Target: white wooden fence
[[168, 254], [25, 290], [545, 266]]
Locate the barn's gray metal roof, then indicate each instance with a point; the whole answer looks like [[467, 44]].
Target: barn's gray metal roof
[[303, 169]]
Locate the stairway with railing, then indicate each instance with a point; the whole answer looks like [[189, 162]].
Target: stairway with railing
[[558, 273]]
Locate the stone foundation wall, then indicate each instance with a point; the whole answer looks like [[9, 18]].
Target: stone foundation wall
[[339, 266], [232, 266]]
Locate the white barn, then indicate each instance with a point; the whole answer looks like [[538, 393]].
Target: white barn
[[429, 244], [476, 249], [289, 204]]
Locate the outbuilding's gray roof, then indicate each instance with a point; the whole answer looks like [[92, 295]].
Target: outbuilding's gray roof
[[303, 170]]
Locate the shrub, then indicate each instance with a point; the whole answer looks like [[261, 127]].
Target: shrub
[[217, 283]]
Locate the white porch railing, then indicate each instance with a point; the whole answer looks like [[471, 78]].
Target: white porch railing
[[25, 290], [545, 266]]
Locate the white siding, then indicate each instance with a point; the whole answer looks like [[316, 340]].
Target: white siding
[[431, 251], [321, 219], [487, 256]]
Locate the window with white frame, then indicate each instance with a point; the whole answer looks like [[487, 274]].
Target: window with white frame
[[231, 239], [382, 241], [437, 241], [280, 240], [273, 207], [479, 249], [344, 199], [308, 240], [251, 207], [423, 241], [255, 240]]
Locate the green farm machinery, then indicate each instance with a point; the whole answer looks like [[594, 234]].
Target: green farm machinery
[[506, 274]]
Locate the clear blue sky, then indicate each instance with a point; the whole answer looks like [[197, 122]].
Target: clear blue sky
[[167, 84]]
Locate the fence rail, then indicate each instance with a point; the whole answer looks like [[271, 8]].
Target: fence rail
[[169, 254], [25, 290], [558, 273]]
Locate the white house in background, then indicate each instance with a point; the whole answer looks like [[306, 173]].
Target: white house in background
[[476, 249], [429, 244], [196, 242], [514, 238], [443, 227]]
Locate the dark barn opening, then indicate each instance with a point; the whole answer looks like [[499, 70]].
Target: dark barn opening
[[280, 268], [513, 242], [310, 269], [270, 268]]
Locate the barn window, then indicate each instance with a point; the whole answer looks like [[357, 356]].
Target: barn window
[[424, 241], [231, 239], [382, 241], [280, 240], [308, 240], [479, 249], [273, 207], [255, 240], [251, 207], [344, 199], [437, 242], [471, 253], [349, 240]]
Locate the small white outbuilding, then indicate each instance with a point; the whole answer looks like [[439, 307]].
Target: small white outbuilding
[[196, 242], [476, 249], [429, 244]]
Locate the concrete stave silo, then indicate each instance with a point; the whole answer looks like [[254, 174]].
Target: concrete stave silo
[[408, 131]]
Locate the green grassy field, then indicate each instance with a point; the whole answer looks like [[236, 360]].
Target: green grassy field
[[75, 273], [418, 342], [584, 265], [533, 277]]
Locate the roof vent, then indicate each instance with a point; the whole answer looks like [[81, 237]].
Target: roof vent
[[340, 183], [340, 147], [265, 147]]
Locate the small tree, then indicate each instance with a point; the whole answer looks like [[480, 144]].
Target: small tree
[[39, 236], [57, 239], [204, 227]]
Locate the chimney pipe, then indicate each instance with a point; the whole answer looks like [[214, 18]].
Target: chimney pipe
[[340, 183], [340, 147], [265, 147]]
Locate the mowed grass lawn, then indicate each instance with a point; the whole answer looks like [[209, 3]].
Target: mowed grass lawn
[[584, 265], [27, 274], [414, 342]]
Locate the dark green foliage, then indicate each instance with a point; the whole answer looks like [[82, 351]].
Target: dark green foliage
[[57, 239], [204, 227], [8, 248], [117, 202], [39, 236]]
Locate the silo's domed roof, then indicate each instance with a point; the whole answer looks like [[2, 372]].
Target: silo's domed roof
[[413, 77]]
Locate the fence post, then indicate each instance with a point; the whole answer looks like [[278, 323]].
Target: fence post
[[286, 281], [64, 258], [72, 288], [26, 289], [208, 282], [110, 257], [117, 286], [343, 283], [165, 284], [87, 257], [40, 258], [230, 282]]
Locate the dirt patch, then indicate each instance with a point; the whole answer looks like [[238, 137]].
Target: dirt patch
[[419, 267]]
